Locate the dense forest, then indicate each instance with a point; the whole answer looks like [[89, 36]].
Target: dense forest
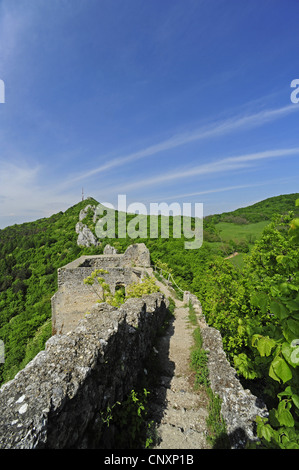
[[252, 297]]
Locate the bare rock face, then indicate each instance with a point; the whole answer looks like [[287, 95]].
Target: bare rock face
[[85, 236], [84, 212], [137, 255]]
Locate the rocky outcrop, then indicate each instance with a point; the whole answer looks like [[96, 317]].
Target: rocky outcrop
[[85, 210], [239, 407], [85, 236], [137, 255], [55, 402]]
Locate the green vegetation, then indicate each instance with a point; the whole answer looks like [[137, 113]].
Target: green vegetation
[[132, 428], [145, 287], [217, 435], [257, 312], [199, 361], [30, 255], [102, 289], [258, 212], [240, 229], [231, 231], [251, 298]]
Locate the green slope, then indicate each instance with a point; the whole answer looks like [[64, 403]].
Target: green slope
[[240, 229], [31, 253], [263, 210]]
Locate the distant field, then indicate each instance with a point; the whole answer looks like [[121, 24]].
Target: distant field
[[249, 232], [227, 231]]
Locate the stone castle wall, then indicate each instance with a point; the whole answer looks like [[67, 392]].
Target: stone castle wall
[[56, 401], [239, 406], [74, 298]]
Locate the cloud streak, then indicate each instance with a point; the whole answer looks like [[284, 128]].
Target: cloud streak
[[213, 191], [219, 166], [213, 130], [224, 189], [22, 196]]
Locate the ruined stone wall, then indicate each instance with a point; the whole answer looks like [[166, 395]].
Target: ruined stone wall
[[239, 407], [55, 402], [74, 298]]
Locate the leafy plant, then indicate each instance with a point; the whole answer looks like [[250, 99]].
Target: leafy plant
[[257, 313], [103, 290], [280, 349], [217, 434], [199, 361], [145, 287], [133, 430]]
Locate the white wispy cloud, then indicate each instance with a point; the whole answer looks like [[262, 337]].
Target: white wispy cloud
[[23, 196], [218, 166], [18, 188], [211, 191], [21, 190], [227, 188], [213, 130]]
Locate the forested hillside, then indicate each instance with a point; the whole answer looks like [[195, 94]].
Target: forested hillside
[[255, 305], [30, 254], [263, 210]]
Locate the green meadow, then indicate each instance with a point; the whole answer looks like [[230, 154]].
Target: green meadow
[[250, 232]]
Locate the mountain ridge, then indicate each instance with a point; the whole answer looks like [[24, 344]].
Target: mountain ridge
[[280, 204], [31, 253]]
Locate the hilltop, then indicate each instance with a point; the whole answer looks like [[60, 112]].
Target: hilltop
[[236, 232], [260, 211], [31, 253]]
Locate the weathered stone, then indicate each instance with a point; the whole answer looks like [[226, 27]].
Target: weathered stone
[[137, 255], [84, 211], [74, 298], [55, 402], [85, 236], [239, 407]]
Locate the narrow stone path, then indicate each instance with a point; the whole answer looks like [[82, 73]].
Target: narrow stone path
[[179, 411]]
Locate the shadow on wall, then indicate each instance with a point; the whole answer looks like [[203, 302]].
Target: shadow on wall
[[127, 427], [239, 406], [56, 401]]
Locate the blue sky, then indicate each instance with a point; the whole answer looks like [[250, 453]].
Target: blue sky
[[173, 100]]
